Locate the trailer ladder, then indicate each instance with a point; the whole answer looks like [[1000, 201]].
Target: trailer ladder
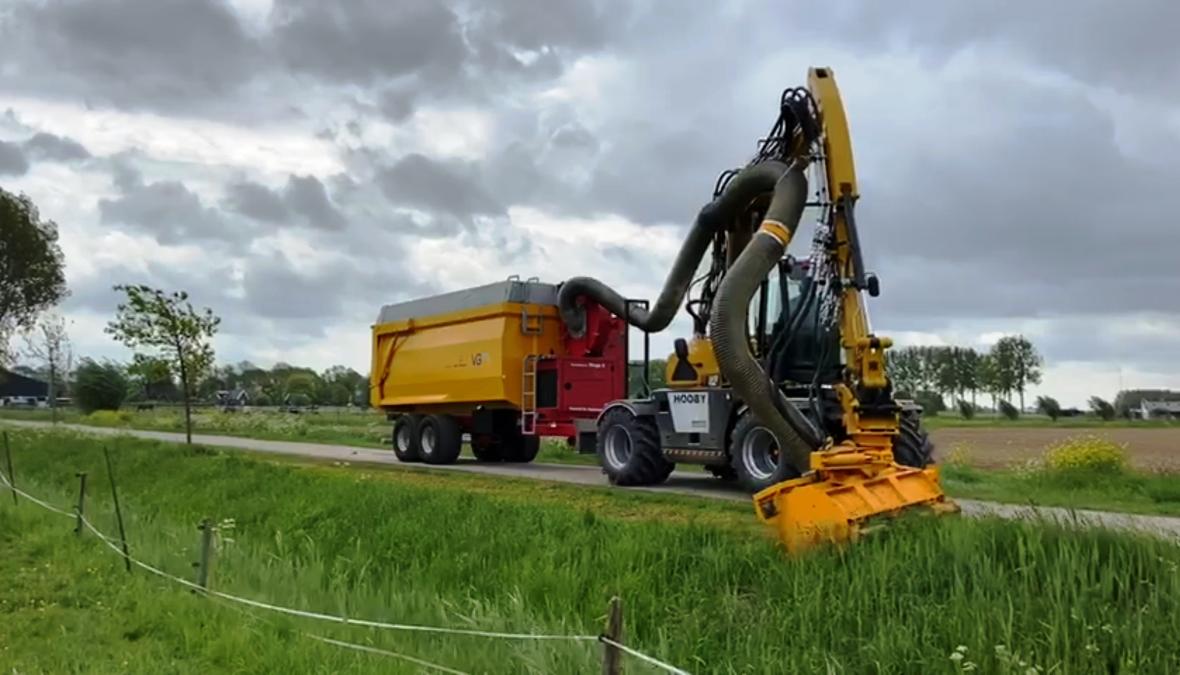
[[528, 396]]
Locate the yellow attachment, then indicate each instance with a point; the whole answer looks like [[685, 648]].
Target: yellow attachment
[[704, 371], [838, 502]]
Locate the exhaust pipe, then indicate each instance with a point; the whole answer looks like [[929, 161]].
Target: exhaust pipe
[[796, 435], [742, 189]]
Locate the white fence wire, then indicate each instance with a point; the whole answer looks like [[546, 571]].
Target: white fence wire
[[113, 544]]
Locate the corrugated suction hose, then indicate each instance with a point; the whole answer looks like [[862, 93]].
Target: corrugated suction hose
[[795, 434], [746, 186]]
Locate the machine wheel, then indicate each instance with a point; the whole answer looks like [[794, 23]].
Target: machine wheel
[[754, 456], [913, 446], [485, 449], [519, 448], [439, 439], [405, 438], [629, 449]]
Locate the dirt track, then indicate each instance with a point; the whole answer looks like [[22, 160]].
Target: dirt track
[[996, 447]]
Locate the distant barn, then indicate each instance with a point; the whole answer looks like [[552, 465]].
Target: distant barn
[[1149, 410], [18, 390]]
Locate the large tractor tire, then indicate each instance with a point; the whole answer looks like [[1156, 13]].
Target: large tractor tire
[[439, 439], [405, 439], [629, 450], [755, 457], [912, 447]]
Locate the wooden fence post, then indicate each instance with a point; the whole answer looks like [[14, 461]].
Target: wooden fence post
[[80, 510], [612, 658], [202, 565]]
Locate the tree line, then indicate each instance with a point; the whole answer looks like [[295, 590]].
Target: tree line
[[935, 373]]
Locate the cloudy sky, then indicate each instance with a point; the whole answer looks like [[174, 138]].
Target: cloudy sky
[[294, 164]]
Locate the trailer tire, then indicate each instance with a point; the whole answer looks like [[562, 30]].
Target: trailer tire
[[629, 450], [520, 449], [912, 447], [439, 439], [405, 439], [486, 449], [756, 462]]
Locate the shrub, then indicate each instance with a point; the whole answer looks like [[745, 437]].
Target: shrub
[[966, 410], [931, 402], [1086, 454], [1049, 407], [1102, 408], [1008, 410], [109, 418], [99, 386]]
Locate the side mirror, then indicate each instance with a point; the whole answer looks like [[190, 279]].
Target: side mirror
[[874, 285]]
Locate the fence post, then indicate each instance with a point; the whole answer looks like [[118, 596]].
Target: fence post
[[8, 464], [202, 565], [612, 658], [118, 511], [81, 508]]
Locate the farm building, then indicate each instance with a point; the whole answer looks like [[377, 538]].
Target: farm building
[[1148, 410], [232, 399], [23, 391]]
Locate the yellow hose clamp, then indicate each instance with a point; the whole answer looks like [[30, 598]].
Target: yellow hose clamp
[[776, 230]]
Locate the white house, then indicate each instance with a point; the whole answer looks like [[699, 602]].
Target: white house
[[1157, 410]]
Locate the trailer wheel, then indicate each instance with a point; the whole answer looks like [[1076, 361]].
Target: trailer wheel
[[405, 438], [485, 449], [439, 439], [912, 447], [520, 448], [629, 449], [754, 456]]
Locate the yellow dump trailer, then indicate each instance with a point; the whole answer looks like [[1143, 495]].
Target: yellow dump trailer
[[493, 362]]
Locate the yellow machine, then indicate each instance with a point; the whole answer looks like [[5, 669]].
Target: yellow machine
[[783, 386]]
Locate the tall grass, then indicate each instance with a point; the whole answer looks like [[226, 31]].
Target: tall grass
[[708, 598]]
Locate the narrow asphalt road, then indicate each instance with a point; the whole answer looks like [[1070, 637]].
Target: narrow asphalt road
[[680, 482]]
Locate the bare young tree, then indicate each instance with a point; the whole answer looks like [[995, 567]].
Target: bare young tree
[[49, 344], [169, 327]]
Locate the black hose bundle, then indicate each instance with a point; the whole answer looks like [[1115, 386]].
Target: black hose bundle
[[795, 434], [746, 186]]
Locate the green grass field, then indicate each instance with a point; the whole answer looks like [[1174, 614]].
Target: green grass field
[[704, 586], [1129, 491]]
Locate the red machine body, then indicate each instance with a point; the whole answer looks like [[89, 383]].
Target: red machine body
[[590, 373]]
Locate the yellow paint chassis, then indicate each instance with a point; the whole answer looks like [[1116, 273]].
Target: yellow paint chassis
[[449, 362]]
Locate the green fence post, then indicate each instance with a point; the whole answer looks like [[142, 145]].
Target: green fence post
[[8, 463], [80, 510], [202, 565], [118, 511]]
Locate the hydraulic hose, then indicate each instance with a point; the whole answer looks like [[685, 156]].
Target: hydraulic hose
[[746, 186], [795, 434]]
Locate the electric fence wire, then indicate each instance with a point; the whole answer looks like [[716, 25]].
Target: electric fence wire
[[113, 544]]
